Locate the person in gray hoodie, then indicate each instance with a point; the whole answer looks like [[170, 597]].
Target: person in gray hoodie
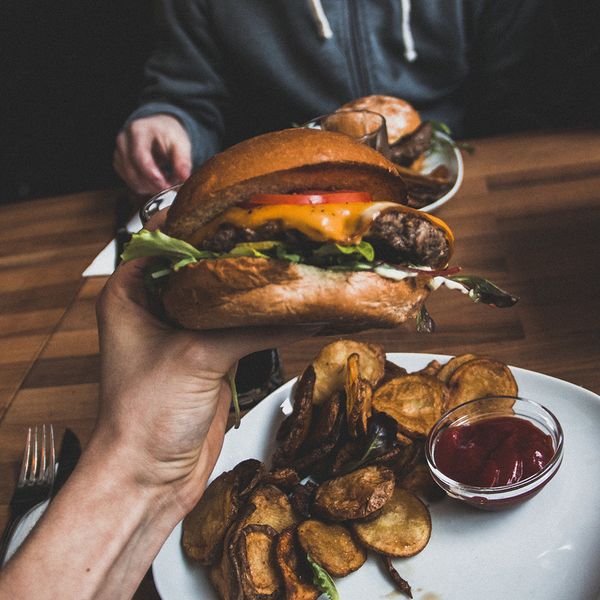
[[225, 70]]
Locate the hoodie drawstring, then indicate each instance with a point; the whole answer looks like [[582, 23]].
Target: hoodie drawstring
[[321, 20], [410, 54], [326, 33]]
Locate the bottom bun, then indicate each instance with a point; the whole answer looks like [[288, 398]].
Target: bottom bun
[[234, 292]]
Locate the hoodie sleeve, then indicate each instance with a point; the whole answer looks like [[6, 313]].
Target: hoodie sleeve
[[183, 76], [514, 44]]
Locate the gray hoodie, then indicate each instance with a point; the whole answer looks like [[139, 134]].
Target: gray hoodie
[[229, 69]]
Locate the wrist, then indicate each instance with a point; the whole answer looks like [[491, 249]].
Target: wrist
[[130, 475], [108, 524]]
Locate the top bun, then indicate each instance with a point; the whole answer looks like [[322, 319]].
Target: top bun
[[400, 116], [284, 161]]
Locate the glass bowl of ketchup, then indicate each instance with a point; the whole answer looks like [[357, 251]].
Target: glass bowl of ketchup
[[494, 453]]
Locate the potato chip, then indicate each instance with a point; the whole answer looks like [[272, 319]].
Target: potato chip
[[332, 546], [401, 584], [414, 401], [432, 368], [205, 526], [302, 497], [284, 478], [325, 421], [286, 557], [403, 527], [258, 575], [330, 366], [480, 378], [420, 482], [359, 395], [225, 574], [355, 495], [248, 474], [391, 371], [316, 461], [298, 423], [446, 371], [350, 451], [270, 506]]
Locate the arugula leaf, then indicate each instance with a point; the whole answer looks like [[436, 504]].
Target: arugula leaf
[[351, 266], [466, 147], [482, 290], [322, 579], [379, 442], [246, 249], [363, 250], [283, 253], [234, 399], [440, 126], [425, 324], [156, 243]]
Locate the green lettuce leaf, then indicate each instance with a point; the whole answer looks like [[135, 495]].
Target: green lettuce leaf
[[322, 579], [363, 250], [156, 243], [173, 254]]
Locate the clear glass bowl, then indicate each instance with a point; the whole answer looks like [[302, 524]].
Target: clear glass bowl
[[505, 496]]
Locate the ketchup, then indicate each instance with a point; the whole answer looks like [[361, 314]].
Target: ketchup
[[493, 452]]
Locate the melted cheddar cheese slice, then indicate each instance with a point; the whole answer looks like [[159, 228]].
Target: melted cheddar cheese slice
[[343, 223]]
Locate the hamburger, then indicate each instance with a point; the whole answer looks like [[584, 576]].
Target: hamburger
[[296, 226], [408, 136]]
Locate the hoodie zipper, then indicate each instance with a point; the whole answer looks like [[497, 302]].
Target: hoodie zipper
[[361, 76]]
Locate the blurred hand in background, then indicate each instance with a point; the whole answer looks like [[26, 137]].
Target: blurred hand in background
[[153, 153]]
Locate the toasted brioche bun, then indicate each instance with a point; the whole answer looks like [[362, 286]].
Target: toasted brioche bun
[[281, 162], [233, 292], [400, 116]]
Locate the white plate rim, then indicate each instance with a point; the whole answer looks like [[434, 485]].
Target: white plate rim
[[460, 172]]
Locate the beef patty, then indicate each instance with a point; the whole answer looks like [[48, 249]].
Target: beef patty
[[398, 238]]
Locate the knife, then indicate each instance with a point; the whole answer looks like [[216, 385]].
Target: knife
[[70, 451], [122, 236]]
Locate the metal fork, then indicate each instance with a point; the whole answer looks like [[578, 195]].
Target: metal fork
[[35, 480]]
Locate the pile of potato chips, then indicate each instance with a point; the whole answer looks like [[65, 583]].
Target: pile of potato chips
[[348, 476]]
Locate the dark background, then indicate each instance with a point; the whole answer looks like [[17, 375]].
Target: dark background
[[72, 71]]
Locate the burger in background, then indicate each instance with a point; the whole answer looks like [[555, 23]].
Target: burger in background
[[408, 137], [411, 140]]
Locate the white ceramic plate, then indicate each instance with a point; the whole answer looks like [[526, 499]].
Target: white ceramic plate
[[444, 153], [545, 549]]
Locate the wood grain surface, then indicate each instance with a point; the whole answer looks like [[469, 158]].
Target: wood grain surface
[[527, 217]]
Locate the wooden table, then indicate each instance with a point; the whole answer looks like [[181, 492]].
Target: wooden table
[[527, 217]]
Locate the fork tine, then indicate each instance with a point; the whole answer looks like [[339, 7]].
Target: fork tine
[[43, 457], [35, 457], [52, 458], [26, 459]]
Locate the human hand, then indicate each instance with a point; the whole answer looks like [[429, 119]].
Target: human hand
[[153, 153], [165, 396], [164, 403]]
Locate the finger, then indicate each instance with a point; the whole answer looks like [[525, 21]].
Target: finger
[[149, 175], [126, 284], [131, 176], [228, 345], [181, 161], [124, 167]]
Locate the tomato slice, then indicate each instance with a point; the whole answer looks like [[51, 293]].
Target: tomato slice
[[312, 197]]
